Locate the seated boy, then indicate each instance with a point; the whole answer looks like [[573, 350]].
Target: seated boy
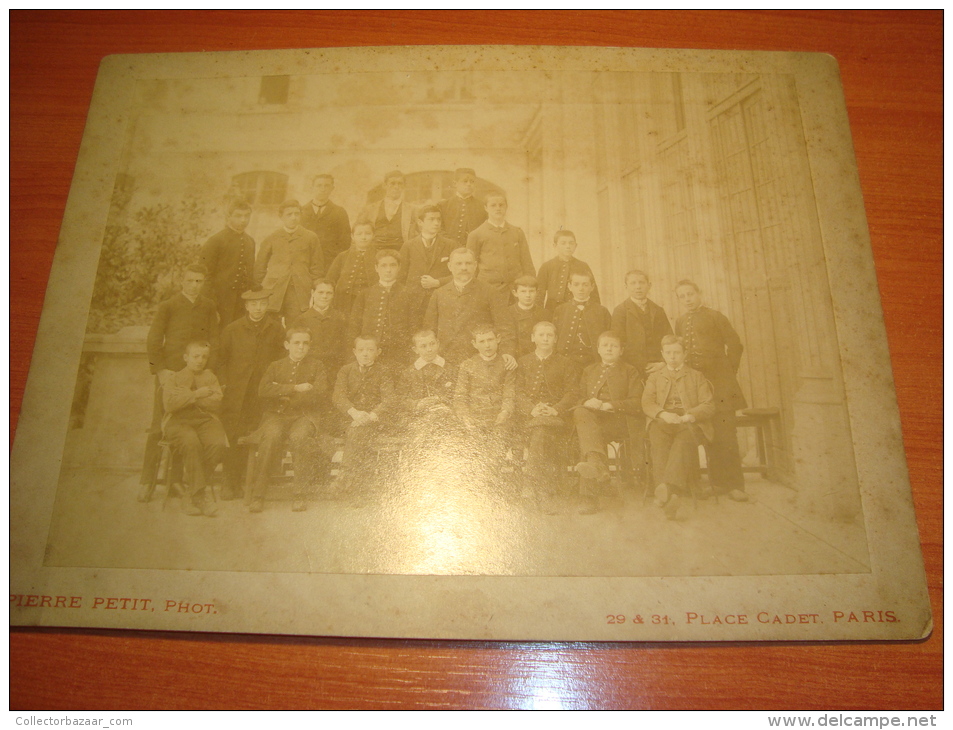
[[249, 346], [485, 396], [580, 321], [546, 387], [554, 274], [352, 271], [523, 315], [382, 311], [500, 248], [328, 327], [680, 402], [363, 391], [427, 386], [192, 397], [293, 391], [609, 409], [424, 262]]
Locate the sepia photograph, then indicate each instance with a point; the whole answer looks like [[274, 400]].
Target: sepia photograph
[[470, 313]]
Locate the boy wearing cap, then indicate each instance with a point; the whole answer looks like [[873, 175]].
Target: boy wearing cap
[[249, 346]]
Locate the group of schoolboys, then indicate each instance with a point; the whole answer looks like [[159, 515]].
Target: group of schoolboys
[[443, 319]]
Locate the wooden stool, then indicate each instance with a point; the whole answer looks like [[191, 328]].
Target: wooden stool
[[762, 421]]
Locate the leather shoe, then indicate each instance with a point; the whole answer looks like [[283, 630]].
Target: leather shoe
[[145, 492], [257, 505], [737, 495], [661, 495]]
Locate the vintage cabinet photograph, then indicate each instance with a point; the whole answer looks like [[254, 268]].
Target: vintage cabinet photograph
[[472, 342]]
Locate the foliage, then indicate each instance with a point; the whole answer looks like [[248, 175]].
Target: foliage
[[141, 263]]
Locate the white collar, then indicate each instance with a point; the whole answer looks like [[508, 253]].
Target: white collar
[[421, 363]]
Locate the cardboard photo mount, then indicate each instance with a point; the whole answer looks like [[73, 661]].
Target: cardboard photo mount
[[732, 169]]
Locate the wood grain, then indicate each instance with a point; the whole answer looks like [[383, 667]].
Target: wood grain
[[891, 65]]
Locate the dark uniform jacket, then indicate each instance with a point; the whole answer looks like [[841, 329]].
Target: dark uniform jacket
[[694, 392], [461, 216], [431, 380], [247, 349], [285, 257], [619, 384], [328, 337], [230, 259], [518, 327], [417, 260], [177, 323], [369, 391], [643, 332], [714, 348], [383, 313], [553, 278], [352, 272], [278, 393], [452, 314], [331, 225], [553, 381], [578, 330]]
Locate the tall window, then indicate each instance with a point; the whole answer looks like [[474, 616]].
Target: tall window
[[260, 187]]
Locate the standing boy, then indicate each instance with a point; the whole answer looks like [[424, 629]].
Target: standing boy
[[522, 316], [353, 270], [327, 220], [554, 274], [382, 311], [289, 261], [423, 262], [679, 402], [500, 248], [328, 327], [392, 217], [713, 347], [580, 321], [642, 323], [465, 302], [546, 387], [229, 256], [249, 346], [192, 397], [462, 212], [293, 392], [610, 400], [185, 317]]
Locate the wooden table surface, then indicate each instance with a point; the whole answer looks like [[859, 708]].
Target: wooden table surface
[[891, 64]]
